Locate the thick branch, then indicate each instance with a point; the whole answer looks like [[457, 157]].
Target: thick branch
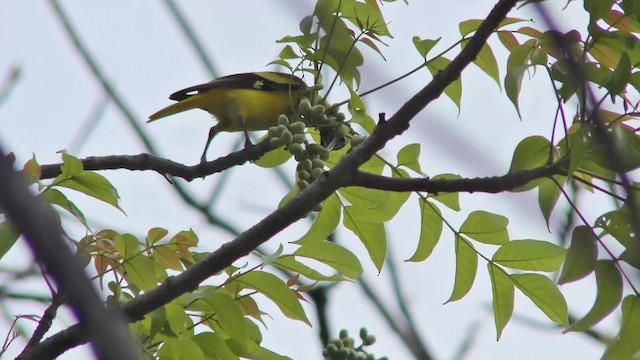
[[301, 204], [493, 184], [163, 166]]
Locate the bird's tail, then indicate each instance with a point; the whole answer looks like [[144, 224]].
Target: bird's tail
[[192, 102]]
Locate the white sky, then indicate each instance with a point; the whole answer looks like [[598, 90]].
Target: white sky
[[140, 49]]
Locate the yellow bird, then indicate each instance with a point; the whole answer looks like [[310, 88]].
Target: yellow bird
[[240, 102]]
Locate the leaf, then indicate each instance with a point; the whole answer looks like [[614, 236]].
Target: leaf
[[466, 269], [424, 45], [450, 200], [154, 235], [408, 156], [214, 346], [454, 90], [516, 67], [581, 255], [277, 291], [609, 295], [545, 295], [533, 255], [228, 315], [598, 8], [486, 227], [487, 62], [532, 152], [503, 294], [371, 234], [32, 170], [430, 230], [140, 272], [376, 205], [273, 158], [548, 195], [628, 344], [8, 237], [55, 197], [167, 257], [180, 348], [325, 222], [92, 184], [333, 255], [620, 76], [70, 167], [288, 262]]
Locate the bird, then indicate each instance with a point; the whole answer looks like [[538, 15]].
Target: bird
[[239, 102]]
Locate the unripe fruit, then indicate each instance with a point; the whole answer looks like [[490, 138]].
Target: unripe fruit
[[276, 142], [315, 174], [356, 140], [370, 339], [295, 148], [306, 164], [317, 163], [304, 175], [299, 138], [305, 106], [301, 157], [344, 333], [297, 127], [302, 184], [274, 131], [283, 120], [342, 130], [363, 333], [287, 137], [340, 117], [317, 111], [314, 149]]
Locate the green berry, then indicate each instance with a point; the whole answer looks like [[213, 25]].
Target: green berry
[[363, 333], [325, 120], [361, 356], [356, 140], [302, 184], [340, 117], [342, 130], [283, 120], [317, 111], [315, 173], [299, 138], [282, 128], [305, 107], [274, 131], [332, 349], [348, 342], [317, 163], [324, 154], [304, 175], [297, 127], [369, 340], [314, 149], [276, 142], [301, 157], [287, 137], [295, 148], [344, 334], [370, 356], [306, 164]]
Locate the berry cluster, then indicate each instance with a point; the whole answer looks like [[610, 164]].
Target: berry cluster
[[344, 348]]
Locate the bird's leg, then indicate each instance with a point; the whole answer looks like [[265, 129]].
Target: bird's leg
[[212, 132], [247, 140]]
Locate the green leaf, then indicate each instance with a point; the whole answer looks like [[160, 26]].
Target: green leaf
[[333, 255], [53, 196], [273, 158], [609, 282], [598, 8], [325, 223], [516, 67], [31, 169], [533, 255], [277, 291], [408, 156], [628, 344], [530, 153], [154, 235], [180, 348], [487, 62], [548, 195], [503, 294], [8, 237], [372, 234], [424, 45], [214, 346], [450, 200], [581, 256], [454, 90], [617, 224], [228, 315], [140, 272], [376, 205], [92, 184], [167, 257], [430, 230], [288, 262], [620, 76], [71, 166], [545, 295], [466, 269], [486, 227]]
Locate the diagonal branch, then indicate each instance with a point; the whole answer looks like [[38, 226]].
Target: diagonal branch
[[301, 204]]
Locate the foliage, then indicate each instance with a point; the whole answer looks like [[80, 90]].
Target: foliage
[[595, 147]]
